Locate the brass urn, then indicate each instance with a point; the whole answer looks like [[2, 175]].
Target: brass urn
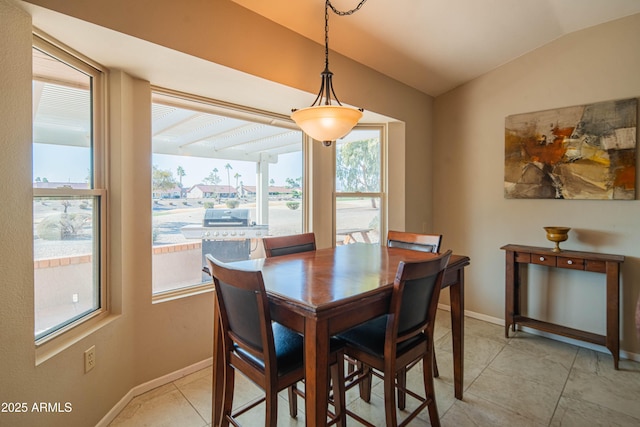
[[557, 235]]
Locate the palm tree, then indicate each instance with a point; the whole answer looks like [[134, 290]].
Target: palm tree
[[228, 168], [181, 173], [237, 176]]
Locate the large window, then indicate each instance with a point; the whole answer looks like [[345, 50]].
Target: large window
[[359, 197], [222, 178], [68, 190]]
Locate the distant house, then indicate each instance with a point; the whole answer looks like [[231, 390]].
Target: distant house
[[247, 191], [174, 193], [202, 191]]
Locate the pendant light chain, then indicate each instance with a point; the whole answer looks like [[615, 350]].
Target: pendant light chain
[[328, 5], [326, 35], [348, 12]]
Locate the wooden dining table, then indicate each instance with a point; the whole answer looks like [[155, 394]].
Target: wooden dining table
[[324, 292]]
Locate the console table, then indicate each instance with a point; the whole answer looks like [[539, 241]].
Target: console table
[[518, 255]]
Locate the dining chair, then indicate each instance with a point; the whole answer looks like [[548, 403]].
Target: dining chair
[[415, 242], [290, 244], [268, 353], [390, 343]]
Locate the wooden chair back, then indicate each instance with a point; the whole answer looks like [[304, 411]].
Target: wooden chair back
[[414, 241], [415, 298], [244, 313], [284, 245]]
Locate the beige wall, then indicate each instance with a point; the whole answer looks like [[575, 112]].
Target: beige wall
[[141, 341], [593, 65]]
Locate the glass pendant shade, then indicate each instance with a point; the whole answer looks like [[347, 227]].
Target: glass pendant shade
[[327, 122]]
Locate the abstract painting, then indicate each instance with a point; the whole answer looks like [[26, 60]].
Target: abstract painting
[[581, 152]]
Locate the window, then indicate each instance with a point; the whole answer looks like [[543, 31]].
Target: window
[[222, 178], [359, 196], [68, 191]]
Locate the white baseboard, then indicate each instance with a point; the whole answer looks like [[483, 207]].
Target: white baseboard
[[497, 321], [150, 385]]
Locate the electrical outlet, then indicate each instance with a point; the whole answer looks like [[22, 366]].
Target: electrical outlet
[[89, 359], [75, 298]]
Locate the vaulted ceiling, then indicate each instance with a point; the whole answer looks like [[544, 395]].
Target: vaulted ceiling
[[437, 45]]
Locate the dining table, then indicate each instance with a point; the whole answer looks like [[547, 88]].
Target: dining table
[[323, 292]]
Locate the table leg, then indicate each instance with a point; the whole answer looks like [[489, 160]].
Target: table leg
[[613, 311], [217, 397], [316, 355], [510, 292], [456, 295]]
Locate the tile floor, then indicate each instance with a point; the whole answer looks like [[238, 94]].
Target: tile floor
[[523, 381]]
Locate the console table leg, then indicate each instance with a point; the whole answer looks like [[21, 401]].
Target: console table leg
[[613, 310], [510, 292]]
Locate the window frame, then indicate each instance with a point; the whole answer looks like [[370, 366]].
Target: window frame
[[213, 106], [382, 194], [46, 345]]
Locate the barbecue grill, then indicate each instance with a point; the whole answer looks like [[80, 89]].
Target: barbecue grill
[[226, 218], [226, 234]]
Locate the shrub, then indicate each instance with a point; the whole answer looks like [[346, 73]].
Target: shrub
[[232, 203], [293, 205], [209, 205], [61, 226]]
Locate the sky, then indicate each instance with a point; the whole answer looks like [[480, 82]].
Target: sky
[[61, 163]]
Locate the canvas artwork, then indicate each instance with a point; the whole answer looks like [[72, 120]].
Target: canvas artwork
[[581, 152]]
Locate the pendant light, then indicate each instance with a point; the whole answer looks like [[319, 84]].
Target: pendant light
[[323, 120]]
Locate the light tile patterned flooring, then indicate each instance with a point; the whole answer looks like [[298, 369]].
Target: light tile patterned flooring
[[522, 381]]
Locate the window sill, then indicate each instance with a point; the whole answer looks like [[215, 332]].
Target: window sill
[[50, 347], [182, 293]]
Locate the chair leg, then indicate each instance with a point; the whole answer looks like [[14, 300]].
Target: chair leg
[[337, 378], [365, 384], [429, 389], [227, 405], [293, 401], [271, 406], [402, 385], [390, 399], [436, 374]]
